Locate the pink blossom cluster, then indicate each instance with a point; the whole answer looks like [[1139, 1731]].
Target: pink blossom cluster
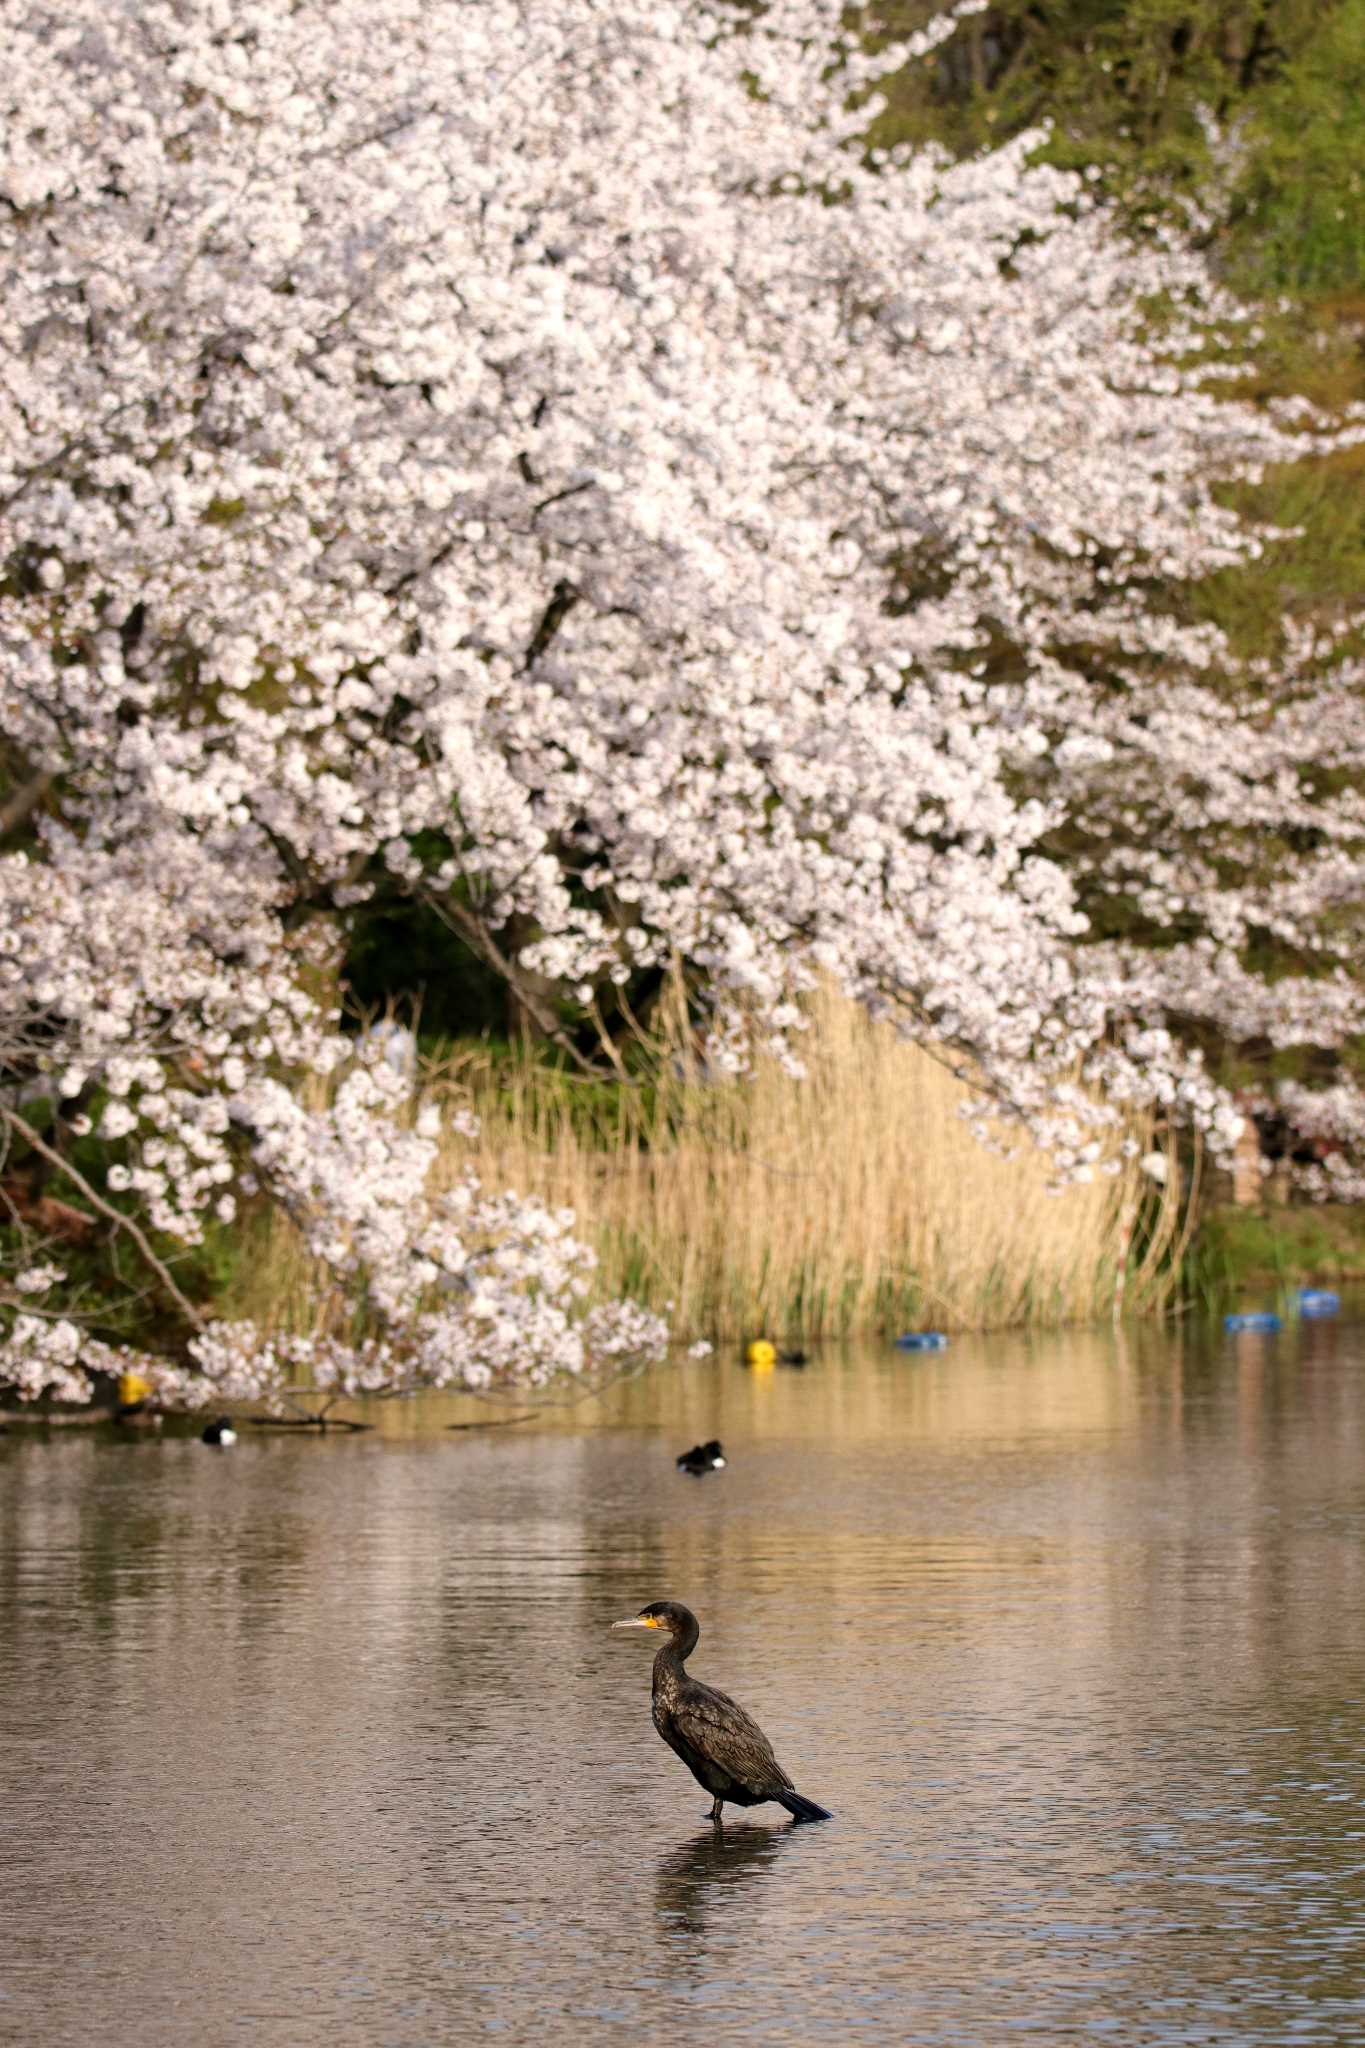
[[534, 459]]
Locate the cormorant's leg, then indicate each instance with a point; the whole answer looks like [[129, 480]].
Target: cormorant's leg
[[717, 1804]]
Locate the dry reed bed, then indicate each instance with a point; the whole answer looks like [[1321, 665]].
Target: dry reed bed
[[854, 1199]]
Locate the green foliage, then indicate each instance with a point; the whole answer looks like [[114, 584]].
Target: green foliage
[[1240, 1252], [1146, 93], [1299, 203], [401, 952], [1316, 572], [46, 1217]]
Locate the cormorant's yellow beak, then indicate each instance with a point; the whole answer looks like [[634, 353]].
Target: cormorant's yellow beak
[[638, 1621]]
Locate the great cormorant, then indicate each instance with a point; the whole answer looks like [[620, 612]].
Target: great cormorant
[[725, 1751]]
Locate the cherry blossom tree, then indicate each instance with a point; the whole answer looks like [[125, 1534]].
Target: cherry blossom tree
[[536, 461]]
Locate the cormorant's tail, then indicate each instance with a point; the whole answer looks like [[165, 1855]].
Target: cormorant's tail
[[802, 1809]]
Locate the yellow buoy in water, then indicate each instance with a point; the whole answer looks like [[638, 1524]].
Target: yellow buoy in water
[[761, 1352], [132, 1388]]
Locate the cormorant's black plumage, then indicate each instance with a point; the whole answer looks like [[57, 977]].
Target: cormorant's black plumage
[[722, 1746]]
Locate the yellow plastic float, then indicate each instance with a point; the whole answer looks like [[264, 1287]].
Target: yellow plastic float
[[761, 1353]]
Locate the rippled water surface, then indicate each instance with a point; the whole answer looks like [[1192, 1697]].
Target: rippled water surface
[[326, 1741]]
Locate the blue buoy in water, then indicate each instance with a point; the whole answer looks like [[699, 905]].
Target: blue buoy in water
[[1255, 1319], [1318, 1301], [922, 1340]]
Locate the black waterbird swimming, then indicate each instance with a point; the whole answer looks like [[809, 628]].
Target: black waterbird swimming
[[221, 1433], [724, 1749], [702, 1458]]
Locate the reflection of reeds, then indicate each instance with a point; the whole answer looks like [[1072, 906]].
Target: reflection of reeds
[[853, 1199]]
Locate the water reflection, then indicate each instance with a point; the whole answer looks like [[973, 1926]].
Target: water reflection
[[703, 1876], [328, 1741]]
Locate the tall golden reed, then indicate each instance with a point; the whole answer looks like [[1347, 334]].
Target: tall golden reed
[[853, 1199]]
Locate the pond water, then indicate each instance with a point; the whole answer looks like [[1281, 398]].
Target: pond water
[[326, 1741]]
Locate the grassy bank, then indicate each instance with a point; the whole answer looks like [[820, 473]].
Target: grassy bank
[[855, 1199], [1235, 1252]]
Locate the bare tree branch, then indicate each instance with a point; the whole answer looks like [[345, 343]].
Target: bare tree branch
[[473, 931], [107, 1209]]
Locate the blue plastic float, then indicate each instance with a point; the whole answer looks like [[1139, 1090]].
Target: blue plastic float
[[1256, 1319], [922, 1340], [1318, 1301]]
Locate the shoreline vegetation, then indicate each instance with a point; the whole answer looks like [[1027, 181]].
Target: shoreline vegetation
[[1271, 1245], [1090, 707], [852, 1199]]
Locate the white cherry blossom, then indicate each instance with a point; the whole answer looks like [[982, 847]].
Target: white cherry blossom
[[534, 460]]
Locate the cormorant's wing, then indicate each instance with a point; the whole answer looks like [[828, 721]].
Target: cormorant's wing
[[718, 1727]]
